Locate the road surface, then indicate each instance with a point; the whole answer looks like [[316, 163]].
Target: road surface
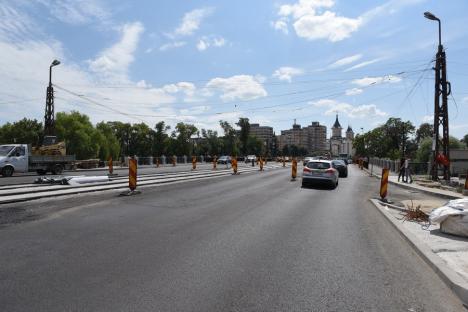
[[252, 242]]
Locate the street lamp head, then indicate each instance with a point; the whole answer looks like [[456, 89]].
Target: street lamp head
[[430, 16], [55, 63]]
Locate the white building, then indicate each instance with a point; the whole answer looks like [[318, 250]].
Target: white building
[[339, 145]]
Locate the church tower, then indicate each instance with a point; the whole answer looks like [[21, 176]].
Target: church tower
[[336, 129], [350, 133]]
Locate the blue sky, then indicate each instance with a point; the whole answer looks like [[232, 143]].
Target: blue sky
[[202, 61]]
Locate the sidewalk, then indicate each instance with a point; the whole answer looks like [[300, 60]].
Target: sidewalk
[[446, 254], [393, 179]]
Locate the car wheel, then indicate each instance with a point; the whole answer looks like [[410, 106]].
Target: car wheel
[[7, 171], [57, 170]]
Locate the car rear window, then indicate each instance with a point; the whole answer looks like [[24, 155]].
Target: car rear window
[[318, 165]]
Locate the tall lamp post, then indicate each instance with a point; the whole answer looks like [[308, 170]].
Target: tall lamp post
[[49, 120], [440, 146]]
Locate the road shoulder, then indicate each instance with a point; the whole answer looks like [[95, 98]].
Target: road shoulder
[[441, 267]]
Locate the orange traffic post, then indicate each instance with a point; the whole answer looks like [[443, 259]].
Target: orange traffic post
[[234, 165], [157, 162], [111, 166], [132, 178], [214, 162], [194, 162], [294, 170], [174, 160], [465, 192], [261, 163], [384, 184]]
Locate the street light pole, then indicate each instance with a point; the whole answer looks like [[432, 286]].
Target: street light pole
[[49, 120], [442, 87]]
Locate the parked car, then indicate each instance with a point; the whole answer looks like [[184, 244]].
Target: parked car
[[250, 158], [320, 171], [307, 159], [341, 166], [224, 160]]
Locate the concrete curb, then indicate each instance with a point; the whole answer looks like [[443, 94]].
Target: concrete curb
[[409, 187], [454, 281]]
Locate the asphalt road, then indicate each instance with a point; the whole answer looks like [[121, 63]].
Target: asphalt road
[[252, 242]]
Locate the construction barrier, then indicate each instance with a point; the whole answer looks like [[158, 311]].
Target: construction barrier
[[384, 183], [260, 161], [294, 170], [157, 162], [466, 181], [194, 163], [174, 160], [132, 178], [234, 165], [111, 166], [214, 163]]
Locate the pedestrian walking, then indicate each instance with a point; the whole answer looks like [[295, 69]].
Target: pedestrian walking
[[401, 170], [408, 178]]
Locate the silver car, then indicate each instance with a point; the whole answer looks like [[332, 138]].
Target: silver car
[[320, 171]]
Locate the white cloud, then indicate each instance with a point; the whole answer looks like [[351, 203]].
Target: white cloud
[[326, 26], [346, 60], [210, 41], [428, 118], [114, 62], [172, 45], [281, 25], [363, 64], [287, 73], [240, 87], [465, 100], [191, 21], [311, 25], [360, 111], [367, 81], [354, 91], [78, 12]]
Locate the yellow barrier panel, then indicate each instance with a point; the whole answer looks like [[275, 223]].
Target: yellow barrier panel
[[294, 170], [234, 165], [157, 162], [194, 162], [384, 183], [111, 166], [261, 163], [174, 160]]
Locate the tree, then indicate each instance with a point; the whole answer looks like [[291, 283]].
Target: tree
[[80, 137], [182, 135], [425, 130], [254, 146], [230, 139], [25, 131], [212, 144], [425, 148], [465, 140], [109, 144], [160, 142], [244, 124]]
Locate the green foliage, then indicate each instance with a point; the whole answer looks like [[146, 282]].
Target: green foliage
[[425, 130], [25, 131], [108, 144], [254, 146], [390, 140], [244, 124], [182, 143], [80, 137], [230, 139], [465, 140]]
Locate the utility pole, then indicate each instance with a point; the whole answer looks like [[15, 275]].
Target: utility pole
[[49, 117], [440, 145]]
